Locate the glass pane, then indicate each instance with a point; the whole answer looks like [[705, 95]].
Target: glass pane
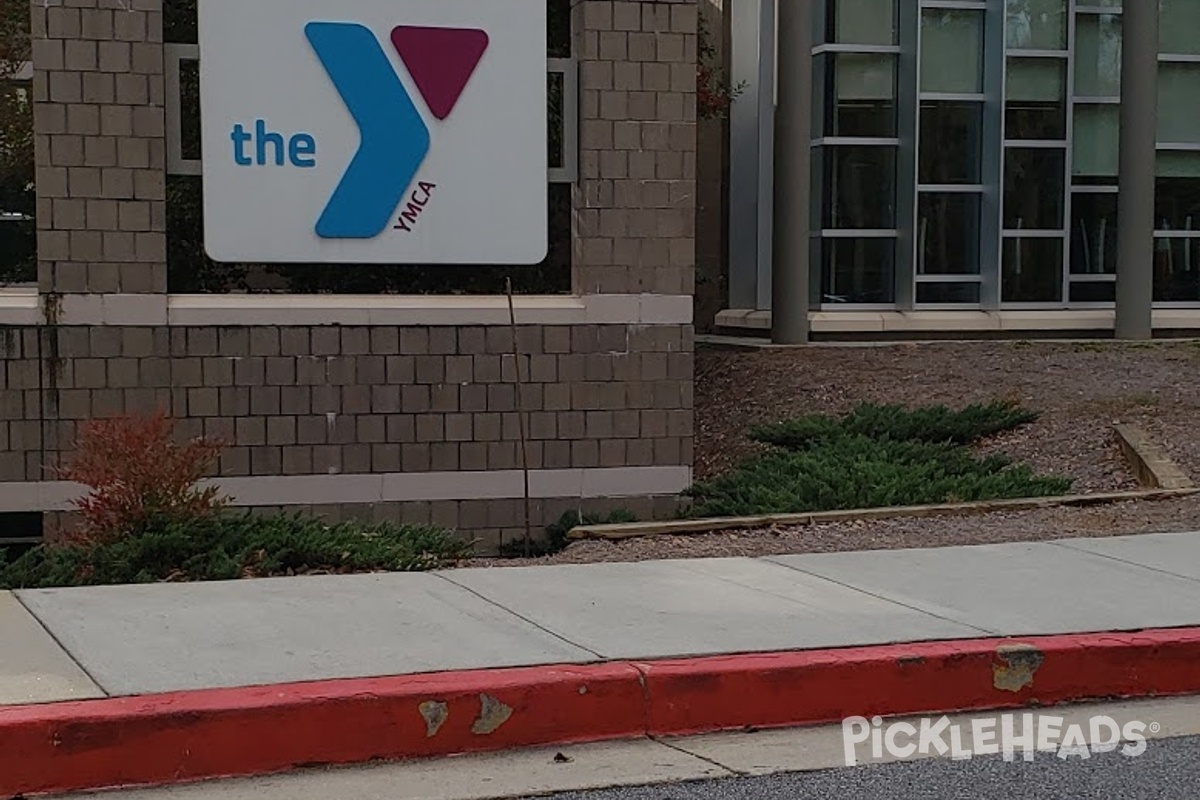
[[860, 188], [1098, 55], [951, 138], [1037, 24], [952, 50], [1032, 271], [1033, 189], [1177, 270], [1094, 292], [1178, 111], [1177, 204], [1036, 106], [947, 292], [861, 21], [1178, 24], [1093, 234], [858, 270], [1178, 164], [863, 95], [1097, 145], [948, 234]]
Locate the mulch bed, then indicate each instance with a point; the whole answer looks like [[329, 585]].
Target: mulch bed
[[1081, 390]]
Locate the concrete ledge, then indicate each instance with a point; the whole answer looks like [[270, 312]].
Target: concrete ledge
[[1150, 465], [950, 322], [394, 487], [21, 307], [631, 530], [188, 736]]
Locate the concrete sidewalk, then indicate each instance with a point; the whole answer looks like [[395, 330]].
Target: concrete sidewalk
[[71, 644]]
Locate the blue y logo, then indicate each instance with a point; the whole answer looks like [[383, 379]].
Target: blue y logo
[[394, 138]]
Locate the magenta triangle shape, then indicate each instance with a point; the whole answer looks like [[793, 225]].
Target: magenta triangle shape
[[440, 61]]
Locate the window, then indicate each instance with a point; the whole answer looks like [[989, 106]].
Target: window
[[1033, 189], [948, 234], [862, 98], [951, 141], [1032, 270], [1036, 106], [952, 50], [1037, 24]]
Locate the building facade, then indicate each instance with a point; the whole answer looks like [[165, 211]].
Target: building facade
[[965, 158]]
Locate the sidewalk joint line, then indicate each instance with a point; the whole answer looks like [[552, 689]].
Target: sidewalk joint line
[[902, 604], [521, 617], [737, 773], [61, 646], [1066, 545]]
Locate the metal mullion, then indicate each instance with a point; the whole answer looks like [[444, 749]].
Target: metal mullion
[[862, 49], [966, 277], [1036, 144], [1059, 54], [1179, 234], [859, 233], [952, 97], [855, 141], [1095, 189], [965, 5], [1069, 155], [991, 243], [1033, 233], [1094, 277], [951, 188], [908, 129]]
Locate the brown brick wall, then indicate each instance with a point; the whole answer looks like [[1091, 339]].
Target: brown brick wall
[[331, 399], [99, 146], [635, 201]]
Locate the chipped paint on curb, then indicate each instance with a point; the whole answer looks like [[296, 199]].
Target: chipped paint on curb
[[1017, 665], [435, 713], [492, 714]]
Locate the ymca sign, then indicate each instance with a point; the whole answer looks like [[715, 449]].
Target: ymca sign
[[374, 131]]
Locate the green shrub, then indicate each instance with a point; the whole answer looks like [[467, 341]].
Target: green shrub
[[556, 533], [927, 424], [857, 471], [235, 546]]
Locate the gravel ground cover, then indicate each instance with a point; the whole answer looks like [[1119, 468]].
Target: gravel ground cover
[[1081, 390]]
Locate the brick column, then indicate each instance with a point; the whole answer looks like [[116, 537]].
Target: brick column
[[100, 149], [634, 205]]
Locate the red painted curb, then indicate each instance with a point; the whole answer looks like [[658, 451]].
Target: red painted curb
[[184, 736]]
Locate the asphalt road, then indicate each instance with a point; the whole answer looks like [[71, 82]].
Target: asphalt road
[[1168, 769]]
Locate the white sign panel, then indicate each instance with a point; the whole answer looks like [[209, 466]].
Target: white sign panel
[[374, 131]]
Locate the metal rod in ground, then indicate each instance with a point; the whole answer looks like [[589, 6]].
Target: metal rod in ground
[[793, 134], [1139, 129], [512, 322]]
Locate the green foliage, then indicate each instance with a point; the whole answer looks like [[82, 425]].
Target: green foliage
[[556, 532], [235, 546], [857, 471], [875, 456], [927, 424]]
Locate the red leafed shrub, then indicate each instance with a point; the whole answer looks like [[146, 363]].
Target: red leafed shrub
[[138, 474]]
